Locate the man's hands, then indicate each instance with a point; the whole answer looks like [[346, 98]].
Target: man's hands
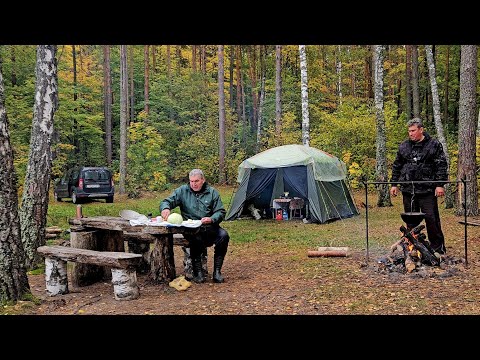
[[439, 191], [394, 191], [165, 213], [206, 220]]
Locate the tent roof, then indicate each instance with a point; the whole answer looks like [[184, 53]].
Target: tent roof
[[326, 166]]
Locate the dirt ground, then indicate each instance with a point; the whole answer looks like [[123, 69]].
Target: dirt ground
[[254, 284], [280, 281]]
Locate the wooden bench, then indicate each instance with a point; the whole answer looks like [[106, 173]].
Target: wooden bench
[[123, 267]]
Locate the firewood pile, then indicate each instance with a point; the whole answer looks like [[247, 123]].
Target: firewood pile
[[411, 253], [54, 234]]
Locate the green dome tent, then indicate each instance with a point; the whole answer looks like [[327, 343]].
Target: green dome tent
[[302, 171]]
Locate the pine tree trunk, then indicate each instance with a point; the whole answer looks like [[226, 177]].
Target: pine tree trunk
[[278, 90], [107, 102], [239, 85], [368, 75], [13, 274], [262, 98], [415, 89], [33, 215], [169, 63], [154, 58], [447, 79], [123, 117], [178, 54], [204, 60], [132, 86], [76, 144], [253, 78], [13, 76], [194, 59], [467, 130], [408, 82], [221, 114], [232, 60], [147, 79]]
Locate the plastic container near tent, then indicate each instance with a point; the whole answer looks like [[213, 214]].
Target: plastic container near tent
[[302, 171]]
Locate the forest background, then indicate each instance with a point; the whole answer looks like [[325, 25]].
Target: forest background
[[173, 111], [151, 113]]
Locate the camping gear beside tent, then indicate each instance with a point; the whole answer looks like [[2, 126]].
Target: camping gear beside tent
[[302, 171]]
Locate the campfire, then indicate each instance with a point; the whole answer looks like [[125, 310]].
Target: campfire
[[412, 251]]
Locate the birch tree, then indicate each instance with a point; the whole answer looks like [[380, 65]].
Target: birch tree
[[13, 274], [466, 131], [33, 214], [381, 142], [339, 75], [438, 120], [304, 89]]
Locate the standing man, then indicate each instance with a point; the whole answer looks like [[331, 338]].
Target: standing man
[[200, 201], [421, 157]]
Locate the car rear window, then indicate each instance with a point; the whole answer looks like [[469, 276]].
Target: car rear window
[[97, 175]]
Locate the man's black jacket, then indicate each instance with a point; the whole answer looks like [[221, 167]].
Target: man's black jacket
[[424, 160]]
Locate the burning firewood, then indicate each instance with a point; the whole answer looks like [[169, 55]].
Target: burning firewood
[[410, 252], [412, 237]]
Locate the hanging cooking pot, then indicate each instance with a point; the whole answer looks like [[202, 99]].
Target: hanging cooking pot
[[412, 217]]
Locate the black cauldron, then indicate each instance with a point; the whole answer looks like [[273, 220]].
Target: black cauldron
[[412, 217]]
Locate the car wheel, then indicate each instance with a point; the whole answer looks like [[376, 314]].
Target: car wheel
[[109, 199], [57, 197]]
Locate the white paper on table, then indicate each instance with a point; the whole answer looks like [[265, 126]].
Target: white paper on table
[[149, 222]]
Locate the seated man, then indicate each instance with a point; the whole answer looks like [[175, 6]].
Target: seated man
[[200, 201]]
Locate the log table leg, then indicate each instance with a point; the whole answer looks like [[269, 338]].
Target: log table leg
[[162, 262], [142, 248], [85, 274], [56, 276], [125, 285]]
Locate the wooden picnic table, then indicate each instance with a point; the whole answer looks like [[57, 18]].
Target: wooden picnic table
[[108, 233]]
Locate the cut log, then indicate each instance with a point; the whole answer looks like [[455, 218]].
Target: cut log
[[53, 230], [328, 253], [332, 248]]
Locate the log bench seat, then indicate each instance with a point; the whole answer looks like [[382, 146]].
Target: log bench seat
[[123, 267]]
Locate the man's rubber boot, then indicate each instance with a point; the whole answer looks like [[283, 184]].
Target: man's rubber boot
[[217, 267], [187, 263], [198, 276]]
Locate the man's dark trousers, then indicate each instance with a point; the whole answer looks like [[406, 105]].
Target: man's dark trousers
[[428, 204]]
